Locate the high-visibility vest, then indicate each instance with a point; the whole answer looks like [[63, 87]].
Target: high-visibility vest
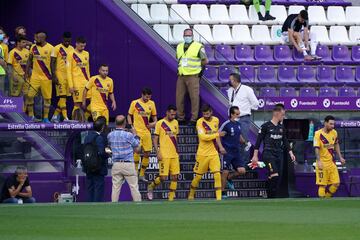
[[189, 62], [2, 57]]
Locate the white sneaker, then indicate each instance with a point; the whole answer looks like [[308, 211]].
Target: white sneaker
[[55, 119], [150, 193]]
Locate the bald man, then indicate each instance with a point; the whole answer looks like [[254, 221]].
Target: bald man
[[123, 144]]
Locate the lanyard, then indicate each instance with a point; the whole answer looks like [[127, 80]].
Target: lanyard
[[234, 94]]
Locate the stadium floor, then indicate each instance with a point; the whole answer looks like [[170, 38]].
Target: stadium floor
[[289, 219]]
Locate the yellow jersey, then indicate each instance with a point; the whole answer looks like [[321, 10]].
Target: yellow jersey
[[167, 132], [5, 48], [99, 90], [61, 53], [41, 61], [326, 144], [79, 69], [18, 59], [141, 112], [207, 132]]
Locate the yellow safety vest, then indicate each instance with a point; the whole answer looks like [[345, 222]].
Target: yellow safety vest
[[189, 62], [2, 57]]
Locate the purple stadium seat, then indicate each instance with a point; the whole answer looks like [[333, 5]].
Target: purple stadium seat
[[327, 92], [210, 72], [224, 53], [287, 92], [307, 92], [341, 54], [357, 74], [247, 74], [287, 74], [347, 92], [263, 53], [224, 73], [324, 52], [306, 74], [282, 53], [268, 92], [344, 74], [210, 53], [297, 56], [244, 53], [325, 74], [355, 53], [266, 74]]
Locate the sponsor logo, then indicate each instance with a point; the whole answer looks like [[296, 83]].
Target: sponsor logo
[[261, 103], [326, 103], [294, 103]]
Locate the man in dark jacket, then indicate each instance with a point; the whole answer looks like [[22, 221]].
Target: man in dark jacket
[[95, 182]]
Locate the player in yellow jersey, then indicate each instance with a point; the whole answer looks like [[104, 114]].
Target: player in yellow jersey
[[41, 76], [79, 74], [140, 112], [17, 60], [166, 131], [59, 59], [326, 144], [101, 88], [207, 156]]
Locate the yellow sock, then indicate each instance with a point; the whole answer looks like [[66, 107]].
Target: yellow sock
[[30, 107], [217, 185], [136, 161], [47, 103], [321, 191], [332, 191], [156, 182], [144, 165], [172, 188], [57, 112], [194, 184]]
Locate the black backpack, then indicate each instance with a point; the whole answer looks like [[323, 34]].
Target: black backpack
[[91, 158]]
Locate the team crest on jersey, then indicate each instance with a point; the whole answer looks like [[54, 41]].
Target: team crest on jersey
[[86, 59], [46, 52], [281, 130]]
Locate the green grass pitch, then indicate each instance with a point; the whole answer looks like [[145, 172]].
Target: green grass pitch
[[289, 219]]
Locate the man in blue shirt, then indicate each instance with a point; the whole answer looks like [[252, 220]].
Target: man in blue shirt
[[231, 142]]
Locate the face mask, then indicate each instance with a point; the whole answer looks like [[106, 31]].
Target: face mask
[[188, 39], [1, 37]]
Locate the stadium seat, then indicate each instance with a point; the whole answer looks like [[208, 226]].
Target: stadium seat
[[279, 12], [327, 92], [307, 92], [210, 72], [306, 74], [282, 53], [253, 16], [263, 53], [238, 14], [224, 73], [287, 92], [339, 35], [169, 1], [266, 74], [244, 53], [325, 74], [224, 53], [317, 15], [143, 11], [159, 13], [344, 74], [220, 14], [241, 35], [354, 34], [247, 74], [276, 32], [209, 52], [357, 76], [222, 34], [286, 74], [341, 54], [295, 9], [260, 33], [178, 32], [199, 13], [355, 54], [202, 33], [179, 13], [268, 92], [352, 14], [324, 52], [322, 35], [347, 92], [164, 31], [336, 14]]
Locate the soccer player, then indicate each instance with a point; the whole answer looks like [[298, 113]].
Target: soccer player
[[272, 134], [41, 76], [101, 88], [207, 156], [326, 144], [166, 131], [139, 115], [17, 60], [79, 74], [231, 142], [59, 58]]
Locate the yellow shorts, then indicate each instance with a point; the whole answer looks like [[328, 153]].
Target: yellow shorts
[[95, 113], [169, 165], [78, 94], [327, 176], [45, 85], [62, 89], [146, 142], [18, 85], [205, 163]]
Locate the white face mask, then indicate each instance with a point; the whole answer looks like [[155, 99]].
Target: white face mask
[[1, 37], [188, 39]]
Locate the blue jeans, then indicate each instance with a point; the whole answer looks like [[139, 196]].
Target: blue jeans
[[245, 126], [95, 185], [15, 200]]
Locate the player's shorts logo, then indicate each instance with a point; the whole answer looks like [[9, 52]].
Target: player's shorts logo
[[294, 103], [261, 103], [326, 103], [358, 102]]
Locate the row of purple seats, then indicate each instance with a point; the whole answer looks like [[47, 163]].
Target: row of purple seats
[[308, 92], [278, 2], [280, 54], [285, 74]]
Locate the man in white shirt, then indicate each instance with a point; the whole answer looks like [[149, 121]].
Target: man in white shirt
[[244, 98]]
